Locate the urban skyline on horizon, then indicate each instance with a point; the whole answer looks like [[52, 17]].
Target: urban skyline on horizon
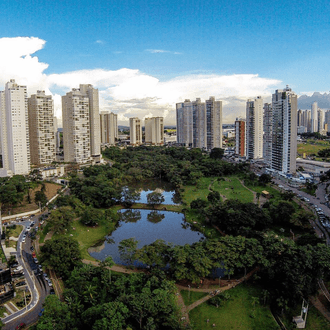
[[142, 56]]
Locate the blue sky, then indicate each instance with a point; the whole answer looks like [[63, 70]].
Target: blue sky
[[170, 50]]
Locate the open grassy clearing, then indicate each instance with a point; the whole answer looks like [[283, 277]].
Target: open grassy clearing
[[232, 188], [312, 147], [200, 190], [192, 296], [236, 313]]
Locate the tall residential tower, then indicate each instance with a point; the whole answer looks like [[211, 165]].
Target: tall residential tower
[[41, 128], [14, 130], [284, 131]]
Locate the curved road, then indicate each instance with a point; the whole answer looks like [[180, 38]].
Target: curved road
[[38, 288]]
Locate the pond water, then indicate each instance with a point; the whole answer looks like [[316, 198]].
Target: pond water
[[146, 226], [148, 186]]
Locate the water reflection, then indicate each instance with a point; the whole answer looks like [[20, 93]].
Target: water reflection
[[155, 216], [146, 226]]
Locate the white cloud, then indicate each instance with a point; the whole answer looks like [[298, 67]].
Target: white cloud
[[158, 51], [101, 42], [130, 92]]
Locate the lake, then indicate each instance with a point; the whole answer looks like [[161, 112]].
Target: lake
[[146, 226]]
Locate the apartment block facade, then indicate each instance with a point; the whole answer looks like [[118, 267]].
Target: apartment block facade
[[154, 131], [76, 127], [41, 128], [135, 131], [14, 130], [254, 128], [284, 131], [199, 125], [240, 137], [108, 128]]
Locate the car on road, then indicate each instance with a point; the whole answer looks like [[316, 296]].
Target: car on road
[[28, 228], [40, 268], [21, 283], [50, 282], [20, 326], [35, 260], [51, 291], [23, 239], [32, 248]]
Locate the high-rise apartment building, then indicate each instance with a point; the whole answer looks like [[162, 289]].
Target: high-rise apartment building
[[327, 120], [109, 128], [213, 123], [284, 131], [41, 128], [268, 128], [135, 131], [320, 120], [76, 127], [81, 125], [254, 128], [199, 124], [314, 118], [184, 123], [94, 118], [240, 133], [154, 131], [14, 130]]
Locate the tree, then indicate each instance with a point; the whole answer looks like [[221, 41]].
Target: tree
[[108, 263], [155, 216], [264, 179], [61, 254], [213, 197], [198, 204], [91, 216], [155, 198], [61, 219], [56, 315], [127, 249], [41, 197], [129, 196], [217, 153]]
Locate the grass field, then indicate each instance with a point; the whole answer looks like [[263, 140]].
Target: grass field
[[232, 188], [312, 147], [201, 190], [236, 313], [192, 296]]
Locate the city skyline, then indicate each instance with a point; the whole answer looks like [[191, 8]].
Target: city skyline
[[142, 56]]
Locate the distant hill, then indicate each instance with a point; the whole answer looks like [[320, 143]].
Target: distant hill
[[323, 101]]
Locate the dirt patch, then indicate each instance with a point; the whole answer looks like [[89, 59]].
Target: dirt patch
[[51, 191]]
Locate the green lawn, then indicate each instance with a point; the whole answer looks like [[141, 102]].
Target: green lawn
[[236, 313], [192, 296], [312, 147], [201, 190], [233, 189]]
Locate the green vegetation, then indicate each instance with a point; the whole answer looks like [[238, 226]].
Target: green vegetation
[[13, 231], [240, 311], [3, 310], [312, 147], [190, 297]]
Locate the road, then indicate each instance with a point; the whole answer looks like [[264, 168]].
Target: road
[[35, 281], [318, 200]]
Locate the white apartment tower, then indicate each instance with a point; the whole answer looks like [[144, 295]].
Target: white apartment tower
[[199, 125], [268, 127], [213, 123], [41, 128], [109, 128], [94, 118], [81, 125], [135, 131], [184, 120], [254, 128], [284, 131], [14, 130], [314, 118], [320, 120], [154, 131], [76, 127]]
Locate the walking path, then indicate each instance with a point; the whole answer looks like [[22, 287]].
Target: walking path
[[318, 304]]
